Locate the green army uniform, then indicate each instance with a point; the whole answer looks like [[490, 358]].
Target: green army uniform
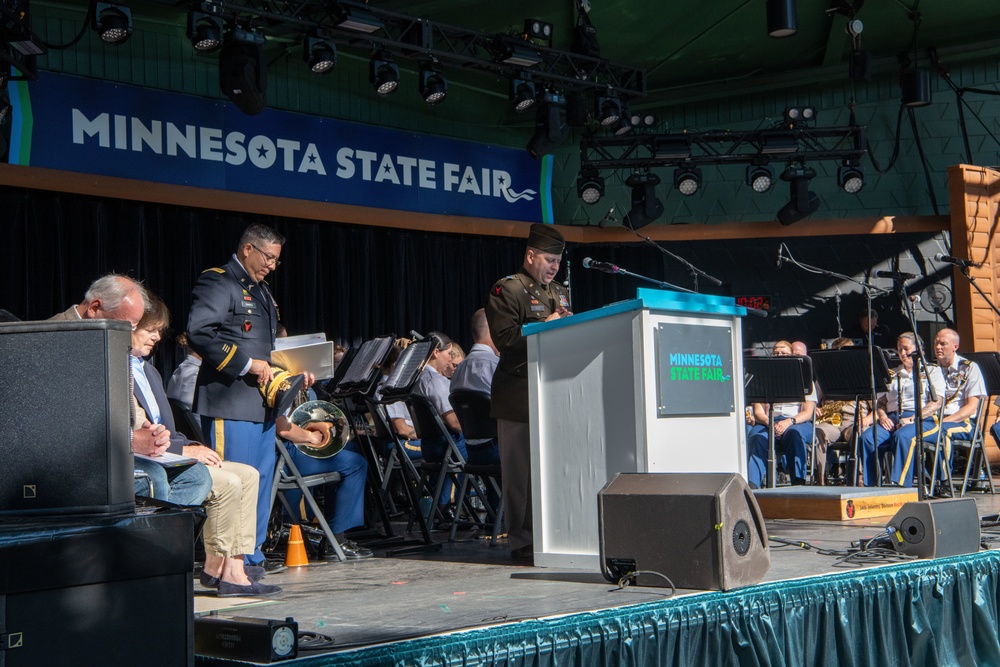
[[515, 300]]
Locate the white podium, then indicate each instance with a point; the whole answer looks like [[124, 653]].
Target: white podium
[[653, 384]]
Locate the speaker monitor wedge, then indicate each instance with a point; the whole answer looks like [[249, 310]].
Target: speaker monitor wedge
[[936, 528], [701, 530]]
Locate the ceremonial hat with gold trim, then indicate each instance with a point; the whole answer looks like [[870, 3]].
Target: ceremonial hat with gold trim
[[280, 392]]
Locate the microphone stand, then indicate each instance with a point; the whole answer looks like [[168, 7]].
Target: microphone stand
[[659, 283], [868, 289], [972, 281], [692, 269], [919, 365]]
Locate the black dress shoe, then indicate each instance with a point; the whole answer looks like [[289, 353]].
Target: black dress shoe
[[269, 566], [447, 518], [352, 550], [254, 572], [255, 589]]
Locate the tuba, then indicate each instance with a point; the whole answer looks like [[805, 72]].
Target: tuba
[[329, 420]]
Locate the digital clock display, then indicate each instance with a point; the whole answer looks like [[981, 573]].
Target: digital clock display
[[760, 302]]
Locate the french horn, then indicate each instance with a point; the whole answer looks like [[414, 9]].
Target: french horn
[[325, 418]]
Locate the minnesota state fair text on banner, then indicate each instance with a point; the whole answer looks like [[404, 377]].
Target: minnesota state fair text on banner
[[89, 126]]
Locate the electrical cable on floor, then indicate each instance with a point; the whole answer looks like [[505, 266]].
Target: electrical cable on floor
[[807, 546], [313, 641], [629, 578]]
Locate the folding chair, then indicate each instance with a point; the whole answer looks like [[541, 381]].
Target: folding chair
[[288, 478], [473, 411], [185, 421], [428, 424], [973, 452]]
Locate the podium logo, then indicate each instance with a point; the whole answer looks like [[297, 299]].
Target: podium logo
[[30, 491], [697, 367]]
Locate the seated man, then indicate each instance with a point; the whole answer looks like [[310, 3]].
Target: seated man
[[231, 491], [475, 373], [897, 419], [346, 506], [792, 431], [964, 389], [180, 386]]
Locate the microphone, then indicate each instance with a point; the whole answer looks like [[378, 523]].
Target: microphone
[[895, 275], [948, 259], [780, 258], [608, 219], [607, 267]]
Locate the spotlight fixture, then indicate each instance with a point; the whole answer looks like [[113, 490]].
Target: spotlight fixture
[[384, 73], [777, 143], [608, 110], [802, 203], [539, 31], [798, 115], [851, 177], [522, 92], [590, 185], [319, 53], [646, 207], [354, 18], [643, 120], [760, 177], [514, 52], [782, 20], [551, 129], [623, 126], [205, 31], [687, 180], [433, 86], [113, 22]]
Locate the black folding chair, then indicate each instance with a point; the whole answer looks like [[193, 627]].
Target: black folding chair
[[473, 411]]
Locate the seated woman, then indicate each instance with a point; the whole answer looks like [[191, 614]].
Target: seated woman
[[231, 505], [792, 431]]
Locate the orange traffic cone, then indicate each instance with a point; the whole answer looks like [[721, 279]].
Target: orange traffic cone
[[295, 555]]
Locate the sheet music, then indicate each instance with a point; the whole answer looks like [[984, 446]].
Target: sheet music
[[409, 364], [371, 353]]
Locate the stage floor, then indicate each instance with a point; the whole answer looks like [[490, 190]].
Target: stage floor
[[469, 584]]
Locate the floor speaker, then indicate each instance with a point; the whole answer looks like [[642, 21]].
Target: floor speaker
[[64, 420], [936, 528], [701, 530]]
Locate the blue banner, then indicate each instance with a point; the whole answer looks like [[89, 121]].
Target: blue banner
[[94, 127]]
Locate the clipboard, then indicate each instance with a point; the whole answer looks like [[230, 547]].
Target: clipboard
[[315, 358]]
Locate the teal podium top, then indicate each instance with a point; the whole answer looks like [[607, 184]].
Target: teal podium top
[[651, 299]]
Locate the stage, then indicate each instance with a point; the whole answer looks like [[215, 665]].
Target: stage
[[469, 604]]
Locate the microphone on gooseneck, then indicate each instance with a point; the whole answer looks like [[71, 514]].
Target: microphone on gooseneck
[[607, 267]]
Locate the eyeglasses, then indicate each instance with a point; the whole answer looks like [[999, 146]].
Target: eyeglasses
[[271, 259]]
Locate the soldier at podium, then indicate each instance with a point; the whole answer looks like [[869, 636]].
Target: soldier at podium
[[530, 295]]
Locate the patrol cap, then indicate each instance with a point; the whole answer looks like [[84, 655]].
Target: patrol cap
[[546, 238]]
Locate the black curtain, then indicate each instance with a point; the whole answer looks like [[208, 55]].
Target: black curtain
[[355, 282]]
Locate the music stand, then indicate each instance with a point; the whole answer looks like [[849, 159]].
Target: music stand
[[776, 380], [399, 384], [359, 372], [846, 374]]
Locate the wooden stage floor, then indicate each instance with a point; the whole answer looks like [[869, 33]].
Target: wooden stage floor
[[468, 584]]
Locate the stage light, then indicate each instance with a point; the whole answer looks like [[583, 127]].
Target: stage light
[[760, 177], [795, 115], [204, 31], [623, 126], [113, 22], [851, 177], [778, 143], [672, 147], [319, 53], [354, 18], [646, 207], [687, 180], [538, 30], [551, 129], [384, 73], [643, 120], [802, 203], [607, 110], [522, 92], [514, 52], [782, 20], [590, 185], [433, 86]]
